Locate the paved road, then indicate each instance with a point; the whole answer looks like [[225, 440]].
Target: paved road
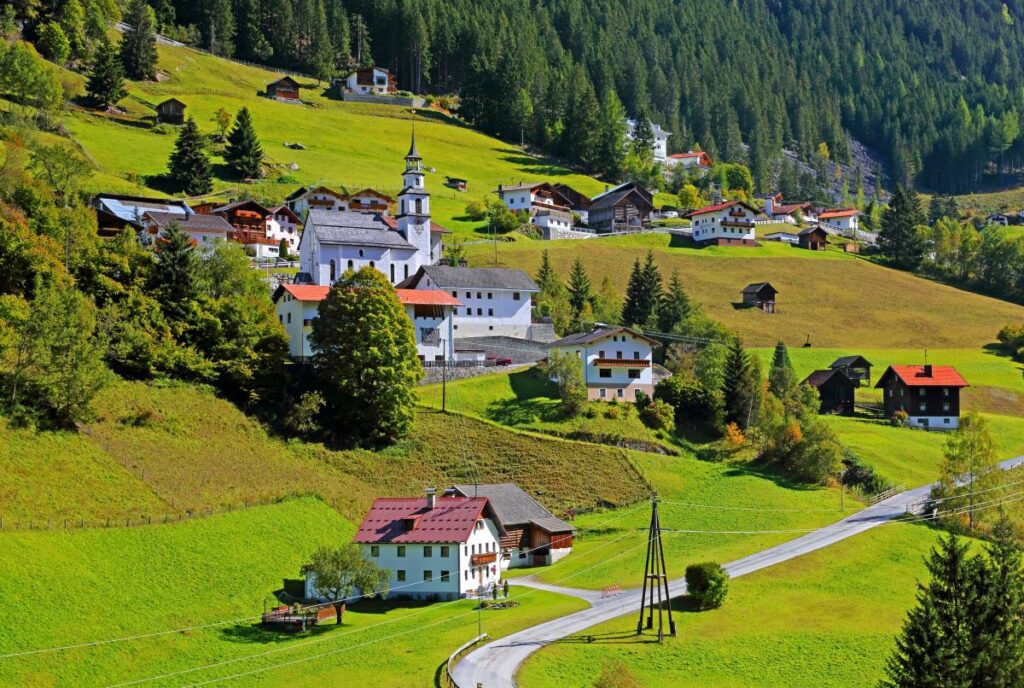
[[495, 665]]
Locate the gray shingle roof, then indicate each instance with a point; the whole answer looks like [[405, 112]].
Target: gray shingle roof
[[354, 229], [513, 506], [596, 334], [447, 277], [199, 223]]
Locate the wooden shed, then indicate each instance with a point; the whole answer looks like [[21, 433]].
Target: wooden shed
[[857, 368], [285, 87], [760, 295], [835, 390], [171, 111], [813, 239]]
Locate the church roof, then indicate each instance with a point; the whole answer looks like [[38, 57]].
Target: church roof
[[354, 229], [413, 154]]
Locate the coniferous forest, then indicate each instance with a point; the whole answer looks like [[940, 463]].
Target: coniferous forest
[[934, 87]]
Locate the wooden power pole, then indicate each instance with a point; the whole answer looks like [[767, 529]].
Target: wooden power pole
[[655, 580]]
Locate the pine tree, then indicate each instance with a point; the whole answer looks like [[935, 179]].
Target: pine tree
[[546, 278], [610, 159], [999, 625], [899, 239], [581, 292], [741, 386], [72, 19], [106, 80], [643, 293], [138, 45], [361, 40], [176, 274], [782, 380], [189, 165], [243, 152], [631, 309], [675, 306], [217, 27]]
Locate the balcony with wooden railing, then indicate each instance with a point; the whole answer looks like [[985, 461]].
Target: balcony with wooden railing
[[483, 558]]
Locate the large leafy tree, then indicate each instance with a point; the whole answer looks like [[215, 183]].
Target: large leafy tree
[[338, 572], [366, 359], [782, 380], [106, 79], [244, 152], [189, 164], [970, 465], [138, 45]]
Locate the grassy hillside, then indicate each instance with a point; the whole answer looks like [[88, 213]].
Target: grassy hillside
[[826, 619], [350, 145], [836, 299], [123, 582]]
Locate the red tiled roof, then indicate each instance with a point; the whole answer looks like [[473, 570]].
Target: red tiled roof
[[451, 520], [720, 206], [306, 292], [427, 297], [914, 376], [838, 212]]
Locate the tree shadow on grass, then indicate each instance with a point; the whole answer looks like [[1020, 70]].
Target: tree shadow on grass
[[515, 412], [767, 472], [528, 165], [257, 634]]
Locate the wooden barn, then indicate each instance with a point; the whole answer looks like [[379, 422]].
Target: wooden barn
[[760, 295], [835, 390], [813, 239], [929, 395], [857, 368], [625, 208], [285, 87], [171, 111]]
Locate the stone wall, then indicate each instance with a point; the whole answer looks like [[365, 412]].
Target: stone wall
[[400, 101], [435, 375]]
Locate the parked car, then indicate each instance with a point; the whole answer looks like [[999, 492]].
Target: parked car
[[499, 360], [669, 214]]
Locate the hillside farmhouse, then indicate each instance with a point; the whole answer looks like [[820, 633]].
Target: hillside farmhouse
[[436, 548], [835, 390], [813, 239], [730, 223], [252, 225], [624, 208], [578, 203], [930, 395], [778, 211], [302, 199], [286, 225], [857, 368], [203, 230], [533, 536], [494, 302], [371, 80], [617, 361], [690, 160], [115, 212], [845, 221], [170, 111], [546, 207]]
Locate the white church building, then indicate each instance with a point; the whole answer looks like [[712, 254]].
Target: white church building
[[334, 241]]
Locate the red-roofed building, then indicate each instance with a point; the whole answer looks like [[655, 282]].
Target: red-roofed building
[[690, 160], [846, 221], [436, 547], [930, 395], [724, 224], [430, 311]]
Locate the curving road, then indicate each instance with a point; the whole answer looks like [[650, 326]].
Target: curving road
[[495, 665]]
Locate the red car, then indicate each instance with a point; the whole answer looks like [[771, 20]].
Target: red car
[[499, 360]]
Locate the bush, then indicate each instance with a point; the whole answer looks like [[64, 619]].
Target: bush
[[616, 674], [658, 415], [476, 211], [707, 583], [900, 418], [1012, 339]]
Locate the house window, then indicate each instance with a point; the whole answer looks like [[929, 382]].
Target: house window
[[619, 393], [466, 575], [479, 525], [618, 354], [445, 550], [400, 575], [374, 550], [334, 270], [922, 407], [445, 575], [401, 550], [633, 374], [371, 264], [478, 295], [946, 421], [428, 551], [428, 575], [945, 406], [280, 318], [636, 355], [469, 295], [392, 272], [604, 372], [490, 295], [405, 270], [515, 296], [350, 264], [455, 294], [465, 550], [289, 318], [945, 391], [921, 392], [360, 253], [600, 354], [479, 311], [490, 311], [602, 392]]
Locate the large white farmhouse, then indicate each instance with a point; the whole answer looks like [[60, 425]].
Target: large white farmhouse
[[660, 145], [547, 207], [845, 221], [726, 224], [335, 241], [430, 311], [617, 362], [436, 548], [494, 301]]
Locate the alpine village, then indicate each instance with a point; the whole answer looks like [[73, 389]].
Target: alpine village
[[512, 343]]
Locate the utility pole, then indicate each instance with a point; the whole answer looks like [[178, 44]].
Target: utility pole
[[655, 580]]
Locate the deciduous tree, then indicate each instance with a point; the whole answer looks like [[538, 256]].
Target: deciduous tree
[[338, 572]]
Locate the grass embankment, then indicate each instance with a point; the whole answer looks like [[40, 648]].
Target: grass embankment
[[833, 298], [163, 449], [69, 588], [351, 145], [824, 619]]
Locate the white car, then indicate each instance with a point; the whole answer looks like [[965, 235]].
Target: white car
[[669, 214]]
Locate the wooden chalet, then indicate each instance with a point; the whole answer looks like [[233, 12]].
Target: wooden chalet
[[285, 87], [857, 368], [368, 201], [574, 199], [835, 390], [625, 208], [248, 219], [929, 395], [760, 295], [813, 239], [171, 111], [456, 183]]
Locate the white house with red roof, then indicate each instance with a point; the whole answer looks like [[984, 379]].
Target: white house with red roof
[[725, 224], [617, 362], [928, 394], [430, 313], [845, 221], [778, 211], [436, 547], [547, 207], [690, 160]]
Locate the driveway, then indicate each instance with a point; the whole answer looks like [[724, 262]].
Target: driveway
[[495, 665]]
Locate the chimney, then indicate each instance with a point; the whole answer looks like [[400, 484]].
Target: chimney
[[431, 497], [927, 369]]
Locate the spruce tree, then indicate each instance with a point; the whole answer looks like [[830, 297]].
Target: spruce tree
[[189, 165], [138, 45], [675, 306], [740, 388], [631, 309], [782, 380], [611, 152], [243, 152], [643, 293], [581, 292], [999, 625], [899, 238], [546, 278], [106, 80], [176, 274]]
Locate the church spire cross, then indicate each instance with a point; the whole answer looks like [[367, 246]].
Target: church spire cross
[[413, 154]]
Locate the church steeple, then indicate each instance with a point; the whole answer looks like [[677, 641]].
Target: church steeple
[[412, 158], [414, 207]]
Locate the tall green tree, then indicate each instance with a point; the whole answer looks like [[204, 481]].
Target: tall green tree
[[581, 291], [365, 356], [741, 386], [611, 145], [244, 152], [72, 20], [999, 625], [189, 165], [138, 44], [643, 293], [106, 80], [546, 277], [675, 305], [900, 238], [176, 275], [970, 465], [782, 380]]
